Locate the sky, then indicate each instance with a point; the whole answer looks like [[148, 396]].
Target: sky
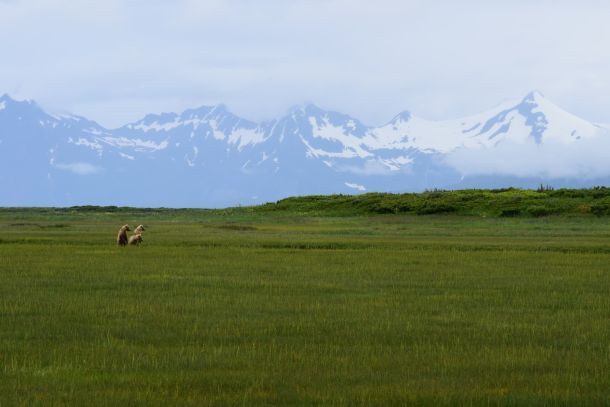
[[114, 61]]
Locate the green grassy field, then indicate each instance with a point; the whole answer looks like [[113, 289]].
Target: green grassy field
[[263, 307]]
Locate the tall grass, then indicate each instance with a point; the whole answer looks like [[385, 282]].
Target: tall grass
[[255, 309]]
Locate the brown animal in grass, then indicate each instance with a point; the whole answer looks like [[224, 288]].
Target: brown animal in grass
[[136, 239], [139, 230], [121, 238]]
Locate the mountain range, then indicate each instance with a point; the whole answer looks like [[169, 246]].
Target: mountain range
[[209, 157]]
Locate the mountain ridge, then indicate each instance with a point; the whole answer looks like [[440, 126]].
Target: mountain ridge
[[208, 156]]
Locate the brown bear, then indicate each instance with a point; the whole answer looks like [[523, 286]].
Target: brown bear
[[121, 238], [135, 239], [139, 230]]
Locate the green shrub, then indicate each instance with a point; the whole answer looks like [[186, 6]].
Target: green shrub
[[569, 193], [430, 208], [383, 208], [539, 211], [599, 192], [601, 207], [509, 213], [500, 190]]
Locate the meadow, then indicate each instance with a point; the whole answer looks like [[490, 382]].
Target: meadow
[[303, 302]]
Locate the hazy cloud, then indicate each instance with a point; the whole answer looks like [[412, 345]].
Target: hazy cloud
[[585, 159], [115, 60]]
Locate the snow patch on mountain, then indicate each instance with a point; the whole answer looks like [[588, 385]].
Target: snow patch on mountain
[[136, 143], [323, 129], [562, 126], [96, 132], [79, 168], [94, 145], [190, 161], [397, 163], [127, 156], [355, 186], [245, 137]]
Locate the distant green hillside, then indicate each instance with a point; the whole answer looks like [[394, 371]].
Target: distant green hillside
[[508, 202], [498, 202]]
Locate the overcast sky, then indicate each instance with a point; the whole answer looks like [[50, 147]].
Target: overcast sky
[[113, 61]]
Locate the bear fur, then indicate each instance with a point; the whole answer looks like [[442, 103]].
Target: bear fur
[[139, 230], [121, 238], [136, 239]]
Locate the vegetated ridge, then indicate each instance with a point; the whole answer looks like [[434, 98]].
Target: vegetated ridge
[[507, 202]]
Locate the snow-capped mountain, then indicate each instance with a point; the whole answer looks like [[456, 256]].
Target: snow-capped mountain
[[210, 157]]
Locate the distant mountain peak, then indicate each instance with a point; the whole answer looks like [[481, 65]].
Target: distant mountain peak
[[215, 110], [533, 97], [208, 155], [311, 109], [197, 111], [21, 108], [7, 99], [404, 116]]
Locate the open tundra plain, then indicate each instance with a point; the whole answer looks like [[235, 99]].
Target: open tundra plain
[[296, 305]]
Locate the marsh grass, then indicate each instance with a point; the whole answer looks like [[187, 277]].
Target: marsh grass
[[247, 308]]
